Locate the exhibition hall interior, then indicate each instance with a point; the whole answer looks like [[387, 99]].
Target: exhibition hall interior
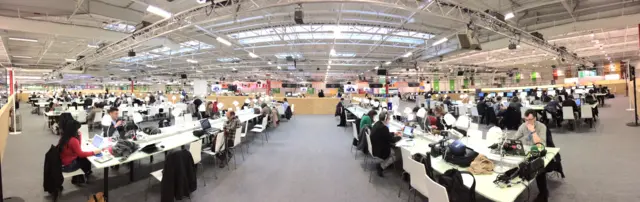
[[319, 100]]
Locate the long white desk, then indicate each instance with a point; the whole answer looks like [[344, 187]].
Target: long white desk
[[171, 137], [484, 183]]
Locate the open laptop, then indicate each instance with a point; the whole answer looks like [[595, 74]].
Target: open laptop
[[407, 132], [97, 141]]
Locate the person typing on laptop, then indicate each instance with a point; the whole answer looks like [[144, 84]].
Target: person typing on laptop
[[71, 154]]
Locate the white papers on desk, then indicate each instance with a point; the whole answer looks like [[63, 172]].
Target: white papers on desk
[[405, 143]]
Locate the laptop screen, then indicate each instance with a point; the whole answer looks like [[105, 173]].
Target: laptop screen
[[97, 141], [407, 130], [204, 123], [578, 102]]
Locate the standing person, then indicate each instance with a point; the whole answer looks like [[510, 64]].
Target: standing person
[[229, 129], [427, 98], [340, 112], [321, 93], [382, 142], [71, 154]]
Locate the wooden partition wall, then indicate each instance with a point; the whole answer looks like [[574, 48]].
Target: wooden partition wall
[[4, 124], [309, 105]]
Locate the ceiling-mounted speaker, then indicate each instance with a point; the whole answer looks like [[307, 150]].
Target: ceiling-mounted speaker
[[537, 35], [131, 53], [467, 41], [183, 76], [349, 82], [298, 16]]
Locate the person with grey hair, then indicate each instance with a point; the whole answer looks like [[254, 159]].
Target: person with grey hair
[[382, 141]]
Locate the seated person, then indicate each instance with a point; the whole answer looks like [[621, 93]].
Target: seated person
[[382, 142], [92, 114], [536, 101], [532, 132], [115, 125], [499, 107], [71, 154], [366, 119], [447, 101], [590, 99], [570, 102]]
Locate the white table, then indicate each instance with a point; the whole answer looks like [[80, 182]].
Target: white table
[[484, 183], [171, 137]]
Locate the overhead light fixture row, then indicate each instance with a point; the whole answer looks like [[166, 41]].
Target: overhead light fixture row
[[223, 41], [253, 55], [23, 39], [70, 60], [92, 46], [387, 62], [152, 66], [158, 11], [332, 52], [279, 67], [192, 61], [509, 15], [440, 41], [406, 55], [21, 56]]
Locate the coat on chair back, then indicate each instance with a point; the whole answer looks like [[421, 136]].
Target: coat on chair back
[[178, 176], [52, 178], [556, 163]]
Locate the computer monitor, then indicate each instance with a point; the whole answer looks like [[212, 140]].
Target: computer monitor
[[480, 94], [539, 94], [523, 94], [492, 94], [578, 102], [510, 94], [551, 92], [580, 87], [550, 89], [573, 87], [527, 90], [567, 90]]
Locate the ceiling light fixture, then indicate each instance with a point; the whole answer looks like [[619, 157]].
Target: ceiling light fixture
[[234, 69], [253, 55], [509, 15], [223, 41], [158, 11], [387, 62], [440, 41], [192, 61], [198, 71], [23, 39], [329, 61], [279, 67], [328, 67], [406, 55], [332, 52], [201, 1], [377, 67], [70, 60], [152, 66], [268, 62], [337, 32], [20, 56], [92, 46]]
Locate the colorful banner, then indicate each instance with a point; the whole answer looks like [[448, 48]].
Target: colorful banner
[[311, 91], [518, 77], [275, 91], [534, 76], [465, 83], [436, 85], [452, 85], [10, 81]]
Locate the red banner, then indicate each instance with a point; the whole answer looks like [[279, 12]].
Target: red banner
[[10, 81]]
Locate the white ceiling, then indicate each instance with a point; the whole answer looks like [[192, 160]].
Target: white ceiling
[[372, 32]]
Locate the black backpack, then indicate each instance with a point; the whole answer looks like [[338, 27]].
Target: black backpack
[[452, 181], [426, 161]]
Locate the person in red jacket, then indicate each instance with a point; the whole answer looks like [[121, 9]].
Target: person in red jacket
[[71, 154]]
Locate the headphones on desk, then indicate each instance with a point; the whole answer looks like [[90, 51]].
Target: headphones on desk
[[537, 152]]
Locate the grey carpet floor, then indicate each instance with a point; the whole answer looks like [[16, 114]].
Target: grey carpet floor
[[308, 159]]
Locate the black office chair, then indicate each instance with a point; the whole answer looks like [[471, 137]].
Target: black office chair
[[512, 118], [482, 110]]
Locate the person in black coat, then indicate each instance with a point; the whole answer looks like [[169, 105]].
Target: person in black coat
[[383, 141], [179, 176], [52, 176], [340, 112]]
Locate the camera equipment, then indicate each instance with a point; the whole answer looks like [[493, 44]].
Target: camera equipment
[[438, 148]]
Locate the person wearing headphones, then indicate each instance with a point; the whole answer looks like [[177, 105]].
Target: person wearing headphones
[[382, 142]]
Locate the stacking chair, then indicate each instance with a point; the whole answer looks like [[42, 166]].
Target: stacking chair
[[406, 155], [436, 191], [81, 116], [220, 147], [195, 148], [262, 129], [355, 136], [474, 113], [96, 119], [567, 114], [418, 179], [587, 113], [370, 149], [237, 140], [84, 129]]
